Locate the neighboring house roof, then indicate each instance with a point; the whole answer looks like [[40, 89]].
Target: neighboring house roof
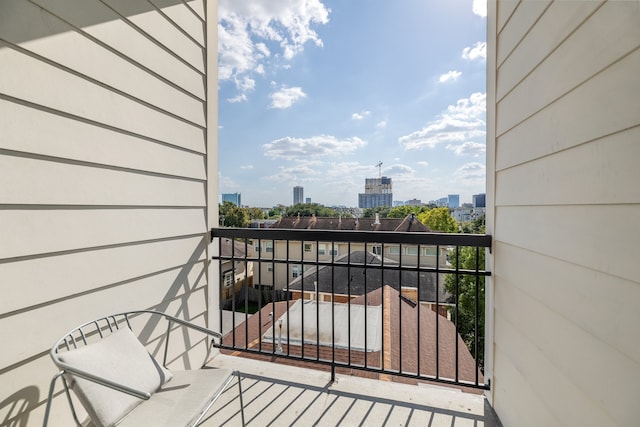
[[237, 249], [351, 280], [408, 224], [397, 339]]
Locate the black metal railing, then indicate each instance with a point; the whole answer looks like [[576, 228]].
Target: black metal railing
[[393, 303]]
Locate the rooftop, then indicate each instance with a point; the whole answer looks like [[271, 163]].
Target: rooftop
[[407, 224]]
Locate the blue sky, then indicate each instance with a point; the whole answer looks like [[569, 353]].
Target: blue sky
[[317, 92]]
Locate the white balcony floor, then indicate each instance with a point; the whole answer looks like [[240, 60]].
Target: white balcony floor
[[280, 395]]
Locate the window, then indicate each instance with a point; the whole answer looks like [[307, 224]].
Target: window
[[333, 252], [322, 249], [377, 250], [394, 250], [412, 250], [296, 270], [308, 247], [228, 279], [270, 267], [257, 247], [269, 247], [430, 251]]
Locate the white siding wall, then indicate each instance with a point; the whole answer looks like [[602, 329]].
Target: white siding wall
[[563, 149], [103, 175]]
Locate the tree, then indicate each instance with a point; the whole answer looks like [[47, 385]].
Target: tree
[[439, 219], [477, 226], [404, 211], [233, 216], [276, 211], [382, 211], [465, 318], [309, 209], [255, 213]]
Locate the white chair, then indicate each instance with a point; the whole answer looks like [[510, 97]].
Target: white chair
[[120, 384]]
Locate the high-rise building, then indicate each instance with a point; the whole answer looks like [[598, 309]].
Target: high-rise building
[[453, 201], [377, 192], [234, 198], [298, 195], [307, 200], [479, 200]]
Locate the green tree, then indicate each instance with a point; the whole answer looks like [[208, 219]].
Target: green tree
[[405, 210], [255, 213], [309, 209], [470, 298], [277, 211], [233, 216], [439, 219], [382, 211], [477, 226]]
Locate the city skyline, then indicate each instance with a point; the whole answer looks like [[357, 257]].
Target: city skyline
[[318, 97]]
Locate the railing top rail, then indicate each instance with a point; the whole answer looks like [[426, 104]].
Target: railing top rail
[[442, 239]]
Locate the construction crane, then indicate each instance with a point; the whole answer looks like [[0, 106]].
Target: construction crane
[[379, 166]]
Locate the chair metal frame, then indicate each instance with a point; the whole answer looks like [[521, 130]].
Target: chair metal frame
[[103, 326]]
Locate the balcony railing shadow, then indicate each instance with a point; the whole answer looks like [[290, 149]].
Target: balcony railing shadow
[[278, 395]]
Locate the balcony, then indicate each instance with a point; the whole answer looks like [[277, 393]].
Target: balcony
[[315, 318]]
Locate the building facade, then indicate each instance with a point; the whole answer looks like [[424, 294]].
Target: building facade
[[377, 192], [234, 198], [479, 200], [298, 195]]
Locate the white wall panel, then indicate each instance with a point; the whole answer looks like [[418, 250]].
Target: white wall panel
[[48, 278], [105, 25], [538, 372], [89, 58], [551, 180], [600, 304], [161, 29], [183, 17], [520, 22], [52, 183], [197, 6], [516, 402], [170, 292], [589, 50], [550, 130], [559, 21], [585, 236], [28, 232], [580, 359], [504, 11], [46, 85], [35, 131]]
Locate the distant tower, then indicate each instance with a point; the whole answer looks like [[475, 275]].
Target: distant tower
[[453, 201], [234, 198], [298, 195], [377, 192]]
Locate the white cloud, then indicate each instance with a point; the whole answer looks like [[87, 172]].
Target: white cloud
[[468, 148], [382, 124], [450, 75], [249, 30], [479, 50], [461, 122], [298, 173], [246, 167], [286, 97], [480, 7], [291, 148], [240, 98], [361, 115], [470, 174], [423, 164]]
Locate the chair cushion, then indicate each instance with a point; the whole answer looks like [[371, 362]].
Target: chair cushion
[[118, 357], [182, 401]]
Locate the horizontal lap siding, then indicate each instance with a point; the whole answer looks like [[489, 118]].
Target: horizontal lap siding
[[566, 212], [103, 157]]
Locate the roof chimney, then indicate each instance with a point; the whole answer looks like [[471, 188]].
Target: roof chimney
[[377, 221]]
